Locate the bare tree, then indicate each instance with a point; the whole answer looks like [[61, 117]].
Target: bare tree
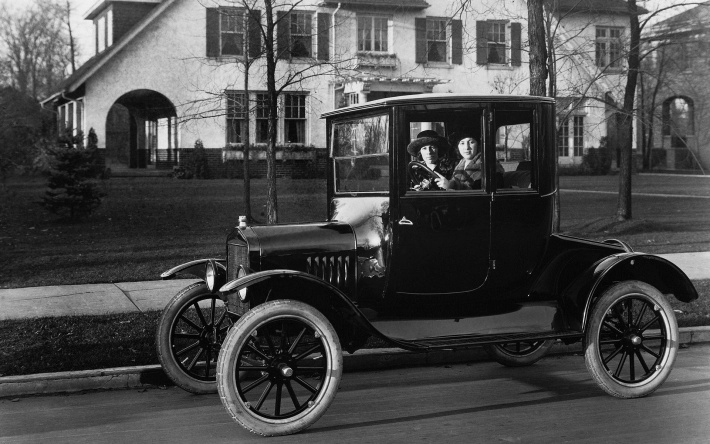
[[33, 46]]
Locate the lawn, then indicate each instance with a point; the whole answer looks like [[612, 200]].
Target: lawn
[[147, 225]]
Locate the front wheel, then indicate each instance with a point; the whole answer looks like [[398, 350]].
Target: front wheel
[[631, 340], [190, 332], [519, 353], [293, 355]]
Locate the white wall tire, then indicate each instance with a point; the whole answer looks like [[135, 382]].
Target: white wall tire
[[631, 340], [519, 353], [297, 373], [188, 341]]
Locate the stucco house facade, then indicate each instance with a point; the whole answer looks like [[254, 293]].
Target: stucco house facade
[[167, 73]]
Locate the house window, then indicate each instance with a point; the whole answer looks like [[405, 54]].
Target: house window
[[235, 117], [353, 99], [231, 31], [372, 34], [496, 43], [436, 40], [262, 118], [101, 34], [563, 140], [578, 135], [295, 118], [608, 46], [109, 28], [301, 42]]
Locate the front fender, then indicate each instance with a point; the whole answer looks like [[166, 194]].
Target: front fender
[[348, 320], [195, 268], [665, 276]]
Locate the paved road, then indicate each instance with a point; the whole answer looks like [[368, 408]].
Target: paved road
[[552, 401]]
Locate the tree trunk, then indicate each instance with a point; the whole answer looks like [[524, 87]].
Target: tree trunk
[[271, 201], [246, 139], [623, 207], [538, 52]]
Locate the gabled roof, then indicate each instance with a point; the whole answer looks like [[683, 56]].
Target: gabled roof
[[597, 6], [85, 71], [690, 21]]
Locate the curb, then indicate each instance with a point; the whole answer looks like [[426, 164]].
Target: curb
[[151, 376]]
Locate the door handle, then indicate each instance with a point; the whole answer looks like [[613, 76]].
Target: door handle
[[405, 221]]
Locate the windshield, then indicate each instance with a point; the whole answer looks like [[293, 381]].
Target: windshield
[[360, 151]]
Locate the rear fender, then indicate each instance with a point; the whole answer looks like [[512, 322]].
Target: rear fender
[[348, 320], [578, 298], [195, 268]]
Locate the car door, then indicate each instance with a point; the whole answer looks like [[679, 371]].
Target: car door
[[441, 238]]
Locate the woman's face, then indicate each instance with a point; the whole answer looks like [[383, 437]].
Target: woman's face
[[430, 154], [468, 147]]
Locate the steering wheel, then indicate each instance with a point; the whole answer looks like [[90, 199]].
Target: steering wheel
[[419, 172]]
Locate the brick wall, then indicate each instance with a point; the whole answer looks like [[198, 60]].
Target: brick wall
[[233, 168]]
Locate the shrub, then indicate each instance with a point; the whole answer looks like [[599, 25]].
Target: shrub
[[195, 164], [73, 168], [597, 161]]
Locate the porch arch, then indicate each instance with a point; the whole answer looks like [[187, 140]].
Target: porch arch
[[141, 130]]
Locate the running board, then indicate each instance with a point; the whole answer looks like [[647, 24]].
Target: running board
[[468, 341]]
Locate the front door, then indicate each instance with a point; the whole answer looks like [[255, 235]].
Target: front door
[[441, 238]]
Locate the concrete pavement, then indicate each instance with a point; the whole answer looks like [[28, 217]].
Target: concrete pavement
[[125, 297]]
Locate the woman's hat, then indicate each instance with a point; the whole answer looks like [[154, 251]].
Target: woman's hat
[[457, 137], [427, 137]]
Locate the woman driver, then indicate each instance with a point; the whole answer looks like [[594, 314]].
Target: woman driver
[[432, 149]]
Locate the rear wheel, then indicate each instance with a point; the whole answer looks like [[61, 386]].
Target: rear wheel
[[519, 353], [293, 361], [190, 333], [632, 340]]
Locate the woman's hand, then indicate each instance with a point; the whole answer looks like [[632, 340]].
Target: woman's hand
[[442, 181]]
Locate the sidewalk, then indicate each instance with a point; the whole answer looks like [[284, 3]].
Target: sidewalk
[[124, 297]]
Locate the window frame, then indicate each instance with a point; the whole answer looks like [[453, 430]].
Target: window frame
[[445, 28], [578, 135], [305, 36], [608, 48], [235, 113], [384, 33], [497, 44], [238, 16], [300, 118]]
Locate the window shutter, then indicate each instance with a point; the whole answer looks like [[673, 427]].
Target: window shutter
[[481, 42], [212, 32], [323, 34], [515, 44], [456, 42], [420, 37], [254, 34], [283, 35]]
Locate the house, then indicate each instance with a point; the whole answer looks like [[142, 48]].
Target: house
[[676, 95], [167, 73]]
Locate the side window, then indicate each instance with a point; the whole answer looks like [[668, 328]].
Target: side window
[[360, 150], [448, 144], [514, 149]]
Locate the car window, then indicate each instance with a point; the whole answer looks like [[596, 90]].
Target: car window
[[360, 150], [461, 166], [514, 149]]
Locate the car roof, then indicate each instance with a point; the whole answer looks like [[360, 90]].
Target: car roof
[[417, 99]]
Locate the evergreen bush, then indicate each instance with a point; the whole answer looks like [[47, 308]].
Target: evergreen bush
[[196, 163], [73, 190], [597, 161]]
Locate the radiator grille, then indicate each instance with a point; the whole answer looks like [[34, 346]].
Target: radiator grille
[[332, 269], [237, 254]]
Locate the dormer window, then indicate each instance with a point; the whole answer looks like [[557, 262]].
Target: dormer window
[[103, 30]]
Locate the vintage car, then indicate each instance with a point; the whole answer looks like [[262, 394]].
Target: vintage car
[[421, 270]]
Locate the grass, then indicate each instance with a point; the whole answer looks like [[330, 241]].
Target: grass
[[147, 225]]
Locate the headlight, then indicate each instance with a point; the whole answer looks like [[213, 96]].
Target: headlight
[[210, 276], [243, 292]]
